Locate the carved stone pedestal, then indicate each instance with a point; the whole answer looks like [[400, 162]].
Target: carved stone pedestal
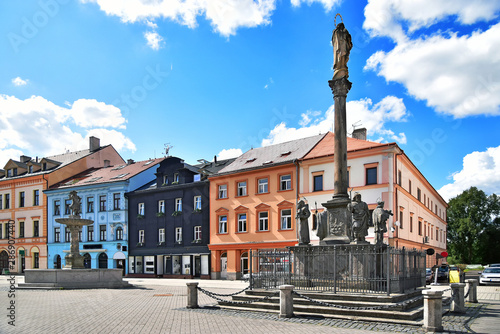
[[339, 221]]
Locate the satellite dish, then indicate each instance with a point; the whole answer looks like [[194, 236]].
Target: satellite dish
[[397, 223]]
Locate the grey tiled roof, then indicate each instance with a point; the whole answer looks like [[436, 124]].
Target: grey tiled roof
[[273, 155]]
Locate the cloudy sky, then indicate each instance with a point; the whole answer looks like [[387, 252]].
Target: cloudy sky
[[218, 77]]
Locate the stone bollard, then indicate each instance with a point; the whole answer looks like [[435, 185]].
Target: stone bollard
[[286, 301], [457, 298], [192, 292], [433, 310], [472, 283]]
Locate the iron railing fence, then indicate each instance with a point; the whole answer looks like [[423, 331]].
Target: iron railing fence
[[339, 268]]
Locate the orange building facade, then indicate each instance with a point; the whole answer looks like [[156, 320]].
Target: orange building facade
[[23, 205], [253, 205]]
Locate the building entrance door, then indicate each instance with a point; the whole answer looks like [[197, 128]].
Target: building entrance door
[[223, 266]]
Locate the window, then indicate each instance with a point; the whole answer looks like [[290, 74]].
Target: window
[[21, 229], [286, 219], [165, 180], [178, 204], [222, 224], [14, 170], [57, 234], [30, 169], [80, 236], [399, 178], [36, 260], [9, 172], [161, 206], [418, 194], [90, 204], [178, 234], [116, 201], [161, 235], [223, 191], [263, 221], [141, 236], [21, 199], [67, 207], [411, 224], [286, 182], [36, 228], [318, 183], [371, 175], [197, 203], [1, 202], [7, 201], [176, 178], [36, 197], [409, 186], [263, 186], [102, 203], [419, 227], [119, 233], [90, 233], [102, 232], [140, 209], [241, 188], [197, 233], [401, 219], [67, 237], [1, 237], [242, 222]]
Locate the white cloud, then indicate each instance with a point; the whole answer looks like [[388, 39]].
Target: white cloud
[[328, 4], [229, 153], [480, 169], [226, 16], [19, 82], [154, 40], [31, 137], [392, 17], [91, 113], [373, 117], [456, 75]]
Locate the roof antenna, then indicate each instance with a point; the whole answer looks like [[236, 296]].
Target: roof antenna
[[354, 126], [168, 147]]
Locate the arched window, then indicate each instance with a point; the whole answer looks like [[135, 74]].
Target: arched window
[[4, 261], [103, 261], [119, 233]]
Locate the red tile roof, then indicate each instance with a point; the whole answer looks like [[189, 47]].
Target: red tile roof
[[326, 146]]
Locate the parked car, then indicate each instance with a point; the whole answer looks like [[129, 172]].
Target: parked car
[[443, 273], [429, 275], [494, 265], [490, 275]]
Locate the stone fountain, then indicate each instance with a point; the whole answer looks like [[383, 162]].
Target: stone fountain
[[74, 275]]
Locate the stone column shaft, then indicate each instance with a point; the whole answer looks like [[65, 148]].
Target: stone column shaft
[[192, 295], [457, 301], [433, 310], [472, 283], [286, 301]]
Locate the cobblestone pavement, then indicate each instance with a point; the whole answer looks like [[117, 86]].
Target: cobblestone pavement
[[159, 306]]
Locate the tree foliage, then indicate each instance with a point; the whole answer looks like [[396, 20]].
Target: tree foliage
[[474, 226]]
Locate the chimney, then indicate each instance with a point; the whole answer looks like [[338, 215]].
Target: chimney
[[359, 134], [24, 159], [130, 161], [94, 144], [106, 163]]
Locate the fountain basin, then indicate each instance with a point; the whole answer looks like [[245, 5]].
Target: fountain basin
[[73, 279]]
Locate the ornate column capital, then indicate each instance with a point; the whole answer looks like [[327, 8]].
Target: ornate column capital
[[340, 87]]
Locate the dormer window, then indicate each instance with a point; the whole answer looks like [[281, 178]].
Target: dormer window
[[30, 169], [165, 179], [285, 153], [176, 178], [9, 172], [44, 166], [14, 171]]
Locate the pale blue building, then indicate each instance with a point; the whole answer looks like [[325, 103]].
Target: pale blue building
[[103, 244]]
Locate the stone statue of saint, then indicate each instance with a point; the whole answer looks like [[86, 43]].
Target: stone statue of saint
[[380, 217], [342, 45], [76, 205], [303, 215], [322, 231], [360, 218]]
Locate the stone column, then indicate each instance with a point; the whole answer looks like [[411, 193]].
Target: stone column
[[192, 294], [457, 298], [286, 301], [433, 310], [74, 260], [339, 218], [472, 288]]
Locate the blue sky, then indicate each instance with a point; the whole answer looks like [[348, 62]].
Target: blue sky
[[219, 77]]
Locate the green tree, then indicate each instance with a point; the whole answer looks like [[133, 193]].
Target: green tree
[[472, 220]]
